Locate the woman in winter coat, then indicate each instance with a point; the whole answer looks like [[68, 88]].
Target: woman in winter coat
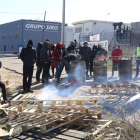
[[38, 63], [93, 56], [57, 56]]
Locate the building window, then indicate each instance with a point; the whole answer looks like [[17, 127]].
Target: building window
[[16, 36], [87, 29], [10, 36], [4, 37], [78, 30]]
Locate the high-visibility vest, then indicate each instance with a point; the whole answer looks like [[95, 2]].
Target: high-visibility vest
[[138, 51]]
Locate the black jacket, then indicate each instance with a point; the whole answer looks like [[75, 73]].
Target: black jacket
[[64, 52], [71, 49], [85, 53], [93, 55], [28, 55], [102, 51], [45, 55], [39, 48], [70, 57]]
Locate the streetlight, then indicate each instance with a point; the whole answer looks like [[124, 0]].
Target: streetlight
[[106, 16]]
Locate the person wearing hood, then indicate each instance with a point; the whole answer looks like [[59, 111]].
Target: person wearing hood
[[38, 63], [71, 48], [93, 56], [45, 59], [85, 53], [28, 56], [101, 51], [116, 55], [57, 56]]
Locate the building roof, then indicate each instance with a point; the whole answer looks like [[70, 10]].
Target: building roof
[[85, 21]]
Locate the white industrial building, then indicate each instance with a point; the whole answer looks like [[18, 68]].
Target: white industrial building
[[86, 28]]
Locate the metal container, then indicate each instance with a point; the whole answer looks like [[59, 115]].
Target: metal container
[[77, 71], [125, 70], [100, 71]]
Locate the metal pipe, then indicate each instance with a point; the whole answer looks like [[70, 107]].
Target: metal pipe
[[63, 23]]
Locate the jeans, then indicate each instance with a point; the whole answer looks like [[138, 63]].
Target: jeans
[[65, 63], [137, 70], [57, 65], [27, 73], [2, 85], [114, 67], [38, 72], [91, 65], [46, 72]]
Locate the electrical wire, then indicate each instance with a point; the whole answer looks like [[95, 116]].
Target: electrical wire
[[18, 13]]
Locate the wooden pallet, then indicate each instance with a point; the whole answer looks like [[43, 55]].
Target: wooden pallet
[[111, 88]]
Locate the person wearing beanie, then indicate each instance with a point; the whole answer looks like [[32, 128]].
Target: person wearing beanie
[[28, 56], [45, 59]]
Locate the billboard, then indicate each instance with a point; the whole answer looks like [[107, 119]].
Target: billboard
[[103, 43]]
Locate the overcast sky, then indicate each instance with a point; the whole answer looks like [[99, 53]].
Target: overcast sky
[[76, 10]]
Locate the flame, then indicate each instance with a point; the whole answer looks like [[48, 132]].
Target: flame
[[123, 58], [86, 70], [101, 57]]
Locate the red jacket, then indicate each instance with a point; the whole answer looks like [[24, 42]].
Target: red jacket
[[116, 52], [55, 54]]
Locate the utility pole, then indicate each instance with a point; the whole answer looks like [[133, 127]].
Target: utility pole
[[43, 28], [63, 24]]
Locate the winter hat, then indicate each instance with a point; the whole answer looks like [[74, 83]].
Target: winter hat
[[58, 45], [85, 42], [72, 42], [118, 44], [48, 40], [30, 42]]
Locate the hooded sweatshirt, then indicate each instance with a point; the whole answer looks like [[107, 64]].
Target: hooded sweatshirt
[[57, 52], [71, 48], [39, 48], [28, 55], [44, 54], [117, 52]]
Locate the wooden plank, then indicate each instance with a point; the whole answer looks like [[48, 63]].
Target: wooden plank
[[97, 131]]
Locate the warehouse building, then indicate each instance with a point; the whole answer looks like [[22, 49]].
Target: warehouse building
[[86, 28], [16, 34]]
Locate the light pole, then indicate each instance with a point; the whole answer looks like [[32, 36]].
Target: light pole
[[106, 16], [63, 23]]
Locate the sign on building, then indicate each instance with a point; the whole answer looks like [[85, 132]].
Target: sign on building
[[95, 37], [104, 44]]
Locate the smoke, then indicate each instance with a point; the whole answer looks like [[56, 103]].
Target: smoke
[[53, 92]]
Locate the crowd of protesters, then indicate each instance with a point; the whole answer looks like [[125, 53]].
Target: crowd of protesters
[[55, 56]]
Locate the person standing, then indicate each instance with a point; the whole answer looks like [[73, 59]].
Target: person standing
[[28, 56], [138, 60], [57, 56], [38, 63], [93, 56], [116, 55], [85, 53], [45, 59], [50, 55], [52, 60]]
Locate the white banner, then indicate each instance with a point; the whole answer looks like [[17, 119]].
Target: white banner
[[95, 37], [104, 44]]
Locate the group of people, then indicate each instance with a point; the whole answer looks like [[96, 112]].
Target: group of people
[[48, 56]]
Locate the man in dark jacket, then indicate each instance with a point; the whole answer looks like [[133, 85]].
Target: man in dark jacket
[[71, 48], [38, 63], [85, 53], [66, 62], [45, 59], [28, 56], [50, 55]]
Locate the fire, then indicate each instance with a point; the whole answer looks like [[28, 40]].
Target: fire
[[101, 57], [86, 70], [123, 58]]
